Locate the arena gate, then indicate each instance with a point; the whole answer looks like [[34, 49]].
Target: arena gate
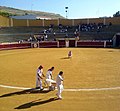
[[116, 40]]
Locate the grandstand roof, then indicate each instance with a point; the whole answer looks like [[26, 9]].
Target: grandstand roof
[[34, 17]]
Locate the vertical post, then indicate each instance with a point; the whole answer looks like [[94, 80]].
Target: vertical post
[[104, 43], [104, 21], [67, 43], [58, 43], [88, 21], [43, 22], [27, 23], [114, 41], [31, 45], [58, 21], [75, 43], [73, 23], [38, 44], [11, 22]]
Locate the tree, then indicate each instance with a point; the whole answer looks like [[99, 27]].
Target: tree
[[117, 14], [5, 14]]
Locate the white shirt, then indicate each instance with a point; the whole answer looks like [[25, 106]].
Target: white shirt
[[59, 80], [49, 74], [39, 73]]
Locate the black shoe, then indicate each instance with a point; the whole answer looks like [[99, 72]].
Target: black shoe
[[37, 87], [41, 89]]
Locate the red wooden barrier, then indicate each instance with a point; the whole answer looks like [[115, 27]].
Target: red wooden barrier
[[15, 46], [47, 44], [55, 44]]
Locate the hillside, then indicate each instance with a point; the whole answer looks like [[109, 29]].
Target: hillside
[[14, 11]]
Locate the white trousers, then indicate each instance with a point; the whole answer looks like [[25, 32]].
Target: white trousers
[[60, 89], [39, 83], [49, 83]]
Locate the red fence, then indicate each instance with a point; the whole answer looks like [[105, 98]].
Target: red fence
[[94, 44], [62, 43], [90, 44], [47, 44], [109, 44], [15, 46], [55, 44]]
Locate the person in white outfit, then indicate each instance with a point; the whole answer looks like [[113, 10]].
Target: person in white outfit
[[59, 84], [49, 76], [39, 77]]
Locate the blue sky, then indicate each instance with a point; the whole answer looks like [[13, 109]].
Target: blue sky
[[76, 8]]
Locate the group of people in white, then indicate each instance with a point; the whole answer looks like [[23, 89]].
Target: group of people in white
[[48, 79]]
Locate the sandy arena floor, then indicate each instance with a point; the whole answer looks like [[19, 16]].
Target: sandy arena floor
[[91, 79]]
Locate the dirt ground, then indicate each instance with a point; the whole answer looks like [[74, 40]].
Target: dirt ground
[[91, 79]]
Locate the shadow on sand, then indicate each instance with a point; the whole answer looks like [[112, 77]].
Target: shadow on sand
[[28, 91], [65, 58], [35, 103]]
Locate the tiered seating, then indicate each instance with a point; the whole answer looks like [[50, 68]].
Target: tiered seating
[[15, 34]]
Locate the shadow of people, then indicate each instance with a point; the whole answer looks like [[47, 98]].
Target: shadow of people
[[28, 91], [35, 103], [65, 58]]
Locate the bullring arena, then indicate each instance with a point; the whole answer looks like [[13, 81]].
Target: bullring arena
[[91, 79], [91, 76]]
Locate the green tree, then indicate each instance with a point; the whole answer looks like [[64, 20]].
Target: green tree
[[117, 14], [5, 14]]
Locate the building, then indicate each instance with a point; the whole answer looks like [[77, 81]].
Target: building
[[33, 17]]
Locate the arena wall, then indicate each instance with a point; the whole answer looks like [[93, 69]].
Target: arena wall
[[65, 22], [47, 44], [80, 21], [114, 21], [6, 22], [17, 22], [14, 46], [35, 22], [70, 22], [98, 20], [48, 22], [100, 44], [57, 44]]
